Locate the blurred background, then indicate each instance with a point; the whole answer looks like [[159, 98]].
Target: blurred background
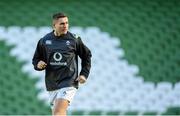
[[135, 64]]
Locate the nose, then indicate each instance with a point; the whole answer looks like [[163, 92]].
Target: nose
[[65, 25]]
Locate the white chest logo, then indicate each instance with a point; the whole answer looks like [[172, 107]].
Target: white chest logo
[[67, 42], [57, 56], [48, 42]]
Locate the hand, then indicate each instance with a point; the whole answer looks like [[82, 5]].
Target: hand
[[41, 65], [81, 79]]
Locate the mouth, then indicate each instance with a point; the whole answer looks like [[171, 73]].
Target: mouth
[[65, 29]]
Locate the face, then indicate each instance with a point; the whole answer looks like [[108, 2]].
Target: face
[[61, 25]]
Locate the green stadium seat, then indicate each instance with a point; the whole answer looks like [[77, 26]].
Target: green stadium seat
[[148, 32]]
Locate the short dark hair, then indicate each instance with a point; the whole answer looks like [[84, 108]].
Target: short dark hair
[[58, 15]]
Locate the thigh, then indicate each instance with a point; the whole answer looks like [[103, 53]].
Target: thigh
[[61, 104], [60, 107], [62, 95], [67, 93]]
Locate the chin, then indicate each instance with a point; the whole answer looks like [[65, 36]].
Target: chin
[[65, 32]]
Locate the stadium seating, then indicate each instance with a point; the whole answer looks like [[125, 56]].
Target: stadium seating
[[135, 59]]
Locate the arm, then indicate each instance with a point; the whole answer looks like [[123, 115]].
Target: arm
[[85, 55], [38, 60]]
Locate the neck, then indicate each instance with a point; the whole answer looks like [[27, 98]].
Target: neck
[[57, 33]]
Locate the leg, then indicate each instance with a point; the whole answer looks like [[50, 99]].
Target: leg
[[60, 107]]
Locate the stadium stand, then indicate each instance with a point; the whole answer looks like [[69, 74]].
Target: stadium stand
[[136, 42]]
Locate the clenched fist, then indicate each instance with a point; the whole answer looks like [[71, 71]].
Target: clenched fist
[[41, 65], [81, 79]]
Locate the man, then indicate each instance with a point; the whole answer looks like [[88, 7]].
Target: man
[[57, 53]]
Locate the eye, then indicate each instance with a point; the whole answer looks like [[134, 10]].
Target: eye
[[63, 23]]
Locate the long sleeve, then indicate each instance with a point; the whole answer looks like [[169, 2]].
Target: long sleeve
[[38, 55], [85, 55]]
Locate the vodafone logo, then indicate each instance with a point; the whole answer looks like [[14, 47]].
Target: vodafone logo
[[57, 56]]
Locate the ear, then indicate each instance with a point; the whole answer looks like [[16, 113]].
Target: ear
[[53, 23], [53, 26]]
